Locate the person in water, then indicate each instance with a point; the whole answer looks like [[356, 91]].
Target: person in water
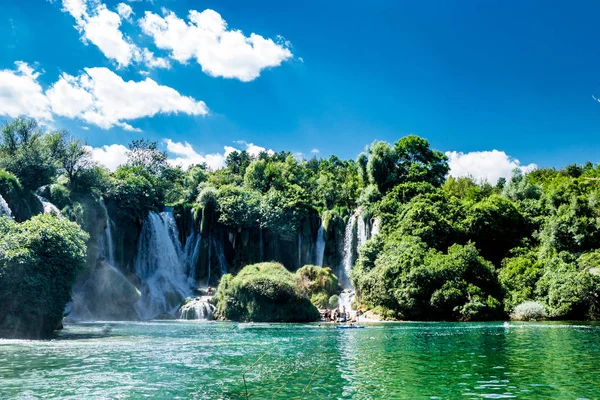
[[209, 291]]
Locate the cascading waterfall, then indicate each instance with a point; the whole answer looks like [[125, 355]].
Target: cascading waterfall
[[320, 246], [160, 266], [192, 252], [4, 208], [348, 252], [362, 231], [223, 267], [106, 247], [48, 207], [376, 227], [198, 308]]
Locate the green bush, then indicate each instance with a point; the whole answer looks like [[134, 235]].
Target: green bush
[[39, 262], [312, 280], [263, 292]]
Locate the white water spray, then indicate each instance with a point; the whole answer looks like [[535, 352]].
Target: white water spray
[[4, 208]]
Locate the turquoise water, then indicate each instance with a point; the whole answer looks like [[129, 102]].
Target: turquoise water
[[175, 359]]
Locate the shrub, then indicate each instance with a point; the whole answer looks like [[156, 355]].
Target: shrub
[[527, 311], [263, 292], [39, 262], [334, 301]]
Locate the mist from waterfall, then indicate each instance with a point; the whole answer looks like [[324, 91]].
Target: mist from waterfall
[[160, 266], [320, 246], [4, 208]]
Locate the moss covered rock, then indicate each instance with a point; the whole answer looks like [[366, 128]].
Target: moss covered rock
[[318, 283], [265, 292]]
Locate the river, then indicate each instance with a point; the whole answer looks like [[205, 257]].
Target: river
[[206, 360]]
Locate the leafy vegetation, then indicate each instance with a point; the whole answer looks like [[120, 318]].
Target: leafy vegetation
[[263, 292], [448, 248], [39, 262]]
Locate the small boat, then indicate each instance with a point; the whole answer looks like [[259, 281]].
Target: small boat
[[350, 326]]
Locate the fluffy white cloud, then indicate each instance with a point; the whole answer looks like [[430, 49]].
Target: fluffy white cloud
[[315, 151], [219, 51], [110, 156], [185, 155], [124, 10], [100, 97], [102, 27], [97, 96], [21, 94], [485, 165]]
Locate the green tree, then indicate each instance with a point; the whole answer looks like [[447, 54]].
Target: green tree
[[39, 262]]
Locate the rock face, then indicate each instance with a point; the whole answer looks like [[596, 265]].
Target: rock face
[[106, 295], [198, 308]]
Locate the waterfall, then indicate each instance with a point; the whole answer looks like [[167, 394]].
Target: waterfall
[[348, 252], [49, 208], [4, 208], [191, 252], [160, 266], [320, 246], [376, 227], [362, 231], [106, 246], [346, 298], [199, 308], [220, 257]]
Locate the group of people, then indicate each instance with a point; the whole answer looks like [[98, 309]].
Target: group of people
[[339, 315]]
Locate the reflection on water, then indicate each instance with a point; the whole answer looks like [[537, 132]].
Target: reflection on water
[[167, 359]]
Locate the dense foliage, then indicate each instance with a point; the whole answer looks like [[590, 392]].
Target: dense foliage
[[39, 262], [448, 248], [263, 292]]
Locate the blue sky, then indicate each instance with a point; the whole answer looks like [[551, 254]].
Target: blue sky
[[470, 76]]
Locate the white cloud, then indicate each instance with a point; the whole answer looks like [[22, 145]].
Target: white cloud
[[111, 156], [219, 51], [102, 27], [125, 11], [315, 151], [100, 97], [485, 165], [251, 148], [185, 155], [97, 96], [21, 94]]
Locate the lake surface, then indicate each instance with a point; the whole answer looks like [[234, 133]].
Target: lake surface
[[206, 360]]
